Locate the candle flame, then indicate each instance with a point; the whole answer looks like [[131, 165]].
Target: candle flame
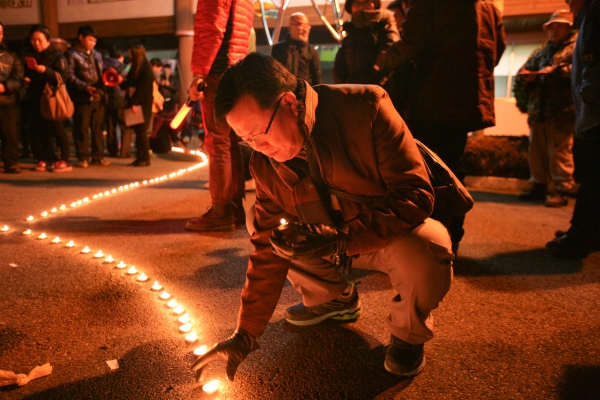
[[200, 351], [132, 271], [142, 278], [121, 264], [165, 296], [70, 244], [5, 228], [156, 286], [184, 319], [27, 232], [178, 310], [191, 338], [172, 303], [211, 386], [185, 328]]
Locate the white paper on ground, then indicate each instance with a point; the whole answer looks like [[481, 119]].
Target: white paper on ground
[[13, 265], [113, 364]]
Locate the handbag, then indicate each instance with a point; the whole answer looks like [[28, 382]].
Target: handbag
[[55, 104]]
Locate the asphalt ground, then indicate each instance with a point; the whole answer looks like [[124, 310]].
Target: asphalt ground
[[516, 324]]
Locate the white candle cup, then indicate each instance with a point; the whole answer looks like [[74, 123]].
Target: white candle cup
[[86, 199], [95, 196], [184, 319], [185, 328], [121, 265], [85, 250], [30, 218], [142, 278], [56, 240], [42, 236], [106, 193], [53, 210], [165, 296], [172, 303], [63, 207], [99, 254], [44, 214], [79, 202], [132, 271], [200, 351], [156, 287], [5, 228], [191, 338], [109, 259], [113, 190], [211, 386], [27, 232], [70, 243], [178, 310], [74, 204]]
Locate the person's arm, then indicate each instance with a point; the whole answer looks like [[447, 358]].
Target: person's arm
[[340, 67], [209, 30], [316, 67], [409, 197], [13, 81], [500, 36], [73, 64]]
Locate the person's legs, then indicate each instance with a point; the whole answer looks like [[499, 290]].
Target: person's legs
[[538, 155], [142, 143], [97, 119], [112, 119], [62, 138], [81, 125], [9, 138], [126, 135], [561, 165]]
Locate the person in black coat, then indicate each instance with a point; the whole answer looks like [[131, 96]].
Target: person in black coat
[[139, 98]]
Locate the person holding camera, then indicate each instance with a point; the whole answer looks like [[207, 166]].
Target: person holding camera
[[87, 92]]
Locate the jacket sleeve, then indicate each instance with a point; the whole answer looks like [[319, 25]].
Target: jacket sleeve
[[316, 67], [408, 200], [72, 63], [59, 65], [12, 84], [266, 273], [340, 68], [209, 30], [143, 86]]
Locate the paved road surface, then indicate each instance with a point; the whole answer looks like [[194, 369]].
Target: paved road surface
[[517, 324]]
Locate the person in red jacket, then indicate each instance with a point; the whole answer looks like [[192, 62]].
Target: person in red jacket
[[222, 32]]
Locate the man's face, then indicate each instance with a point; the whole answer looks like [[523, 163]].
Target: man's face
[[283, 141], [299, 28], [87, 42], [157, 69], [558, 32]]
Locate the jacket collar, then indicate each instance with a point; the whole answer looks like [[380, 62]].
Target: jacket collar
[[310, 103]]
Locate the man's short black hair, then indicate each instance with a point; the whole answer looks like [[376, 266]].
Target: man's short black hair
[[156, 62], [87, 30], [257, 75]]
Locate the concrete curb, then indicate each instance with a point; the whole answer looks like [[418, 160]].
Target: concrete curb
[[496, 184]]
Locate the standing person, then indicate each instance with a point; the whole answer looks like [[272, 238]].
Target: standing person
[[139, 84], [116, 107], [546, 79], [310, 143], [369, 33], [583, 236], [296, 54], [11, 76], [222, 32], [455, 46], [398, 7], [87, 92], [47, 61]]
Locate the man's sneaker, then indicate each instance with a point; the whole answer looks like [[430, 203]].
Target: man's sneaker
[[41, 166], [82, 164], [62, 166], [537, 192], [403, 358], [219, 218], [557, 200], [346, 307], [102, 162]]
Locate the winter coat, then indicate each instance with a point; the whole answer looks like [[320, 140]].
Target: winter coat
[[586, 73], [221, 34], [355, 60], [362, 148], [300, 58], [549, 96], [140, 90], [11, 76], [85, 69], [55, 61], [116, 95], [455, 44]]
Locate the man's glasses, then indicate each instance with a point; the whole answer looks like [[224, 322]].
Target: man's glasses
[[251, 141]]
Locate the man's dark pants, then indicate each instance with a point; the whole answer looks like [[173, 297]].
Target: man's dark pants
[[9, 136], [86, 116]]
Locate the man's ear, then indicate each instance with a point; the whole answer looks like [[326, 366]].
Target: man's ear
[[289, 100]]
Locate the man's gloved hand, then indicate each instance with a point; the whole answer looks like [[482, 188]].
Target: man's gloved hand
[[233, 350], [319, 241]]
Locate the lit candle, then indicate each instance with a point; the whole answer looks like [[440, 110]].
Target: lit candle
[[79, 202], [74, 204], [172, 303], [44, 214], [42, 236], [95, 196], [178, 310], [132, 271], [142, 278], [137, 184], [200, 351], [156, 287], [185, 328], [165, 296], [106, 193], [30, 218], [126, 187], [70, 243], [184, 319], [56, 240], [211, 386], [86, 199], [85, 250], [151, 180], [27, 232], [63, 207], [120, 188], [99, 254], [121, 265], [109, 259], [191, 338], [113, 191], [100, 195], [5, 228], [145, 182], [53, 210]]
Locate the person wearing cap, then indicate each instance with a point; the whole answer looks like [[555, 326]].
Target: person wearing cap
[[545, 81], [583, 236], [296, 54]]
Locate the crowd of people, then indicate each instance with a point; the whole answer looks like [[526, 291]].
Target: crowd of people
[[340, 177], [103, 90]]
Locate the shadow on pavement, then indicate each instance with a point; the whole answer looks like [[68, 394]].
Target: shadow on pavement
[[580, 382]]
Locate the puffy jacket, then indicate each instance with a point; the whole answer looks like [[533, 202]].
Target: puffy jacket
[[55, 61], [455, 44], [549, 97], [358, 53], [362, 148], [11, 76], [221, 34], [85, 69]]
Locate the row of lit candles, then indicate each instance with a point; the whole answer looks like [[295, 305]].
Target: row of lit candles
[[184, 318]]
